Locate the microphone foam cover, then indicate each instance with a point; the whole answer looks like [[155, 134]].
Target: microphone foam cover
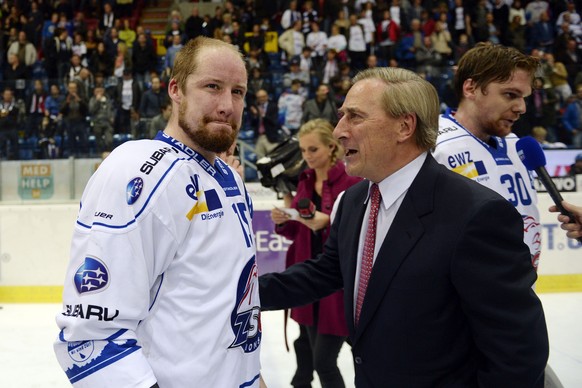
[[531, 153]]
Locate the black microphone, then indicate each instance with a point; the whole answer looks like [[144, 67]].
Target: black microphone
[[306, 208], [531, 154]]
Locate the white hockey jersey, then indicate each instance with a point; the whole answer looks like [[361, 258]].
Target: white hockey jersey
[[499, 168], [162, 283]]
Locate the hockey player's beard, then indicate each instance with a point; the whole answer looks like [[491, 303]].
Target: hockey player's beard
[[216, 142]]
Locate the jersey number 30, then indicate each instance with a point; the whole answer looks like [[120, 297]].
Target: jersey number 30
[[517, 189]]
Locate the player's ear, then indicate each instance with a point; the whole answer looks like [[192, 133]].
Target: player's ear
[[174, 91], [469, 88]]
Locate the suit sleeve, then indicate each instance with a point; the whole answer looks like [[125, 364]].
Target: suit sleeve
[[306, 282], [492, 273]]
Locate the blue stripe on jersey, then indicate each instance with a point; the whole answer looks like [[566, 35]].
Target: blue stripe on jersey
[[111, 353], [249, 383], [140, 210]]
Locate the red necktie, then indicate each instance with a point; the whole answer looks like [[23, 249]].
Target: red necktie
[[368, 253]]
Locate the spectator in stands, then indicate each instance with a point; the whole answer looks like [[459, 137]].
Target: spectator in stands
[[317, 41], [308, 16], [80, 24], [357, 50], [66, 24], [320, 107], [25, 51], [151, 104], [479, 21], [54, 102], [295, 73], [516, 34], [541, 108], [144, 59], [460, 20], [542, 33], [80, 48], [517, 9], [36, 18], [160, 121], [85, 83], [74, 118], [442, 41], [413, 11], [572, 118], [337, 41], [58, 52], [290, 15], [558, 76], [15, 72], [173, 31], [571, 59], [35, 108], [254, 59], [493, 32], [257, 82], [534, 9], [127, 99], [330, 67], [342, 22], [387, 35], [428, 60], [369, 28], [292, 40], [91, 41], [290, 105], [122, 60], [111, 41], [49, 149], [74, 68], [264, 122], [256, 40], [195, 25], [101, 111], [11, 114], [172, 51], [408, 44], [107, 20], [371, 61], [101, 61], [127, 34], [48, 29], [500, 13], [541, 135]]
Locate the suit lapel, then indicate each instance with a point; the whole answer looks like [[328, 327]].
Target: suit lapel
[[404, 233]]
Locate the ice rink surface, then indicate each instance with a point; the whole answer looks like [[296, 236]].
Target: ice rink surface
[[27, 332]]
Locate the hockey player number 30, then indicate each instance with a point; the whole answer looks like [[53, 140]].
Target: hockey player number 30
[[517, 189]]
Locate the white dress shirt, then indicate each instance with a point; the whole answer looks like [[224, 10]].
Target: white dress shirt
[[393, 189]]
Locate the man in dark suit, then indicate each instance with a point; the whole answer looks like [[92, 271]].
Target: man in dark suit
[[441, 295], [264, 115]]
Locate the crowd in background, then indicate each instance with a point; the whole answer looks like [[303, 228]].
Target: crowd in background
[[80, 76]]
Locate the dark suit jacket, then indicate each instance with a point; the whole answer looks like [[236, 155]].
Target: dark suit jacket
[[449, 302], [270, 121]]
